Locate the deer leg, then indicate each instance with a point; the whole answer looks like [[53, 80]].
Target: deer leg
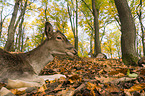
[[51, 77], [5, 92], [20, 83]]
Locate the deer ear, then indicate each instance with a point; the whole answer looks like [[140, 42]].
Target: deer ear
[[48, 30]]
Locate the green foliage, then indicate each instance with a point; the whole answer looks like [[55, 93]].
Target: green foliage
[[55, 13], [111, 46], [83, 50]]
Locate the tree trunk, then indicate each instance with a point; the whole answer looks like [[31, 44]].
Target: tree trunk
[[97, 46], [10, 40], [20, 25], [74, 22], [76, 35], [142, 26], [91, 45], [46, 10], [1, 23], [20, 34], [128, 37], [22, 39]]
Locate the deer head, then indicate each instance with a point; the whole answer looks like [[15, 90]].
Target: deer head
[[58, 43]]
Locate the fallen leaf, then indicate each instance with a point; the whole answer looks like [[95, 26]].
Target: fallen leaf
[[137, 87]]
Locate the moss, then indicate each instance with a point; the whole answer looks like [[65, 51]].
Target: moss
[[129, 59]]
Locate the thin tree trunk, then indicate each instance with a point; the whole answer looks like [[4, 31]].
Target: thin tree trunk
[[25, 43], [141, 24], [128, 37], [20, 25], [73, 25], [1, 22], [46, 11], [92, 31], [97, 46], [20, 34], [70, 15], [11, 31], [22, 39], [76, 35]]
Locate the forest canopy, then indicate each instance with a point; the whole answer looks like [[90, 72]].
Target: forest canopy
[[75, 18]]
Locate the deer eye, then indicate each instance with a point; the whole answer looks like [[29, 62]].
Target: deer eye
[[58, 37]]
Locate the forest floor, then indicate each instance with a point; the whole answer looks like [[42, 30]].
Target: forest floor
[[92, 77]]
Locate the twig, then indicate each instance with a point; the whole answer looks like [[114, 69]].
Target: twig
[[78, 89]]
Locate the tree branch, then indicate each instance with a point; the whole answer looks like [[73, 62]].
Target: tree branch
[[87, 6]]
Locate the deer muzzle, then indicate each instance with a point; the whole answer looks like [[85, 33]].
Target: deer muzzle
[[71, 51]]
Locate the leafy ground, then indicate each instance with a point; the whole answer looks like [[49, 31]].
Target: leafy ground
[[92, 77]]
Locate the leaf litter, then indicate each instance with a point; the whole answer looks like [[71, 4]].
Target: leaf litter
[[91, 77]]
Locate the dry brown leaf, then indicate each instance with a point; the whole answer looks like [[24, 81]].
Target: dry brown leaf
[[119, 75], [2, 84], [42, 88], [59, 87], [108, 68], [142, 72], [74, 78], [105, 79], [127, 92], [18, 91], [90, 86], [137, 87], [122, 70], [101, 71], [14, 91], [112, 88]]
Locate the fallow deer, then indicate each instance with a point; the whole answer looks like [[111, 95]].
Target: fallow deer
[[21, 70]]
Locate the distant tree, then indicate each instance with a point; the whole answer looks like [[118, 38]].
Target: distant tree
[[11, 32], [87, 21], [128, 37], [97, 48], [2, 18], [20, 30], [95, 24], [73, 16], [140, 16]]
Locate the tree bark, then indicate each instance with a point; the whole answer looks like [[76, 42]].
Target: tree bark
[[10, 40], [128, 37], [97, 46]]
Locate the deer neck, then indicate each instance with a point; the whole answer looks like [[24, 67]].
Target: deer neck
[[39, 57]]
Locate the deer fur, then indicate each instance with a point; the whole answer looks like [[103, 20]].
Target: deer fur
[[22, 70]]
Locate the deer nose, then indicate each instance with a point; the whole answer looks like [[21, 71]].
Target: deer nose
[[73, 50]]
